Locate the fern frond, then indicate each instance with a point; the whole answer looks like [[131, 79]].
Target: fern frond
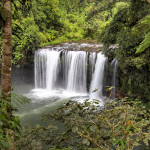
[[144, 44], [143, 26], [146, 20], [15, 99], [19, 99]]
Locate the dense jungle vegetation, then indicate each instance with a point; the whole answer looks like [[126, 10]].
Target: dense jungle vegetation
[[121, 22], [126, 23], [55, 21]]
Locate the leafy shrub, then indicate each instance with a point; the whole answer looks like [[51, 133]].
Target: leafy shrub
[[122, 124], [9, 123]]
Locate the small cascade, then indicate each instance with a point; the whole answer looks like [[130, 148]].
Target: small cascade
[[77, 72], [53, 60], [46, 69], [92, 60], [65, 67], [97, 79], [40, 60], [114, 65]]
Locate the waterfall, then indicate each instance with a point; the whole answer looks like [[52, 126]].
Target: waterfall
[[53, 61], [74, 64], [65, 67], [92, 59], [40, 60], [97, 79], [68, 70], [46, 68], [77, 72], [114, 65]]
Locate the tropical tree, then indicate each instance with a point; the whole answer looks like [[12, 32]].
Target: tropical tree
[[8, 122], [6, 58]]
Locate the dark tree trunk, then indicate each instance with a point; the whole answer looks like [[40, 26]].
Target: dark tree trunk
[[7, 63], [7, 52]]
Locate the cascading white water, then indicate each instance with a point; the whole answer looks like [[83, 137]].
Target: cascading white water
[[66, 66], [46, 68], [97, 79], [77, 72], [92, 59], [114, 65], [74, 64], [60, 71], [40, 60], [53, 60]]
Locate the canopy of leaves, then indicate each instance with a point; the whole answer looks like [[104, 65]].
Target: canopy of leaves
[[58, 21]]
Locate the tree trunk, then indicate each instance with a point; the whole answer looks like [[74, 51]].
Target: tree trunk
[[7, 52], [6, 62]]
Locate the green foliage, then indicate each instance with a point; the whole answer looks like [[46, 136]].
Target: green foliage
[[29, 40], [9, 123], [56, 21], [46, 14], [33, 26], [144, 26], [100, 16], [40, 22], [72, 28], [130, 29], [118, 125], [145, 44]]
